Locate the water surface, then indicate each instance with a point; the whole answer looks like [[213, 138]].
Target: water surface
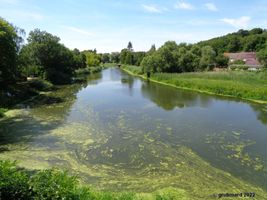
[[118, 132]]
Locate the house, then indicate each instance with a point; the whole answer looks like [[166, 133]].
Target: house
[[249, 58]]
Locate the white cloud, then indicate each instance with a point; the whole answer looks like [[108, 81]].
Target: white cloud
[[152, 8], [211, 7], [78, 30], [184, 5], [241, 22]]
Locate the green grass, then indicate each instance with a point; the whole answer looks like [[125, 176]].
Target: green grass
[[88, 70], [107, 65], [241, 84], [133, 69]]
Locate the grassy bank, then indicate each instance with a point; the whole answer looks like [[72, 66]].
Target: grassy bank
[[250, 86]]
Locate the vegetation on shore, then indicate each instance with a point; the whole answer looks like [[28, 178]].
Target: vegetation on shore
[[26, 70], [245, 85], [19, 183]]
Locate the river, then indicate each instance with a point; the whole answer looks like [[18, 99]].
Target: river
[[118, 132]]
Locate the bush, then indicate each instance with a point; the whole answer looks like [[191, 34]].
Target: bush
[[53, 184], [239, 67], [16, 183], [13, 183]]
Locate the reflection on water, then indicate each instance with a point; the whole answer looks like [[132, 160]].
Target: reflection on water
[[122, 133]]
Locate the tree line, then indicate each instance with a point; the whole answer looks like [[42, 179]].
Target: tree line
[[205, 55], [43, 56]]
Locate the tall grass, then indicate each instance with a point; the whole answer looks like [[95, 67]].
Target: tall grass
[[240, 84], [134, 69]]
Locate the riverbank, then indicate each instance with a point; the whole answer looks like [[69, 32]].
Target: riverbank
[[249, 86], [36, 90]]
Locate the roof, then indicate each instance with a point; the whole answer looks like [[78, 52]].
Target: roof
[[250, 58]]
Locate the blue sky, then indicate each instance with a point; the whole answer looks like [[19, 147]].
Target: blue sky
[[108, 25]]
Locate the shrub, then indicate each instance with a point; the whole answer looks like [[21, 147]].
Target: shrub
[[53, 184], [13, 183], [239, 67]]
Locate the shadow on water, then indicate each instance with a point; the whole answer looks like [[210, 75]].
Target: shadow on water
[[170, 98], [49, 112], [21, 130]]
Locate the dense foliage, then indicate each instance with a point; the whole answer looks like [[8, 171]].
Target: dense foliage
[[203, 56], [242, 40], [10, 42], [45, 56]]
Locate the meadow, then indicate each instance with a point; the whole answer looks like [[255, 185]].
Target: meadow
[[240, 84]]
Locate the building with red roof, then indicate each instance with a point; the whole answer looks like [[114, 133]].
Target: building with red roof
[[249, 59]]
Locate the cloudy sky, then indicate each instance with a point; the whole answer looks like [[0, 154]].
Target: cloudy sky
[[108, 25]]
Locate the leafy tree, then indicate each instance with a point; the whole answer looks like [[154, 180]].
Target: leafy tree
[[138, 57], [56, 60], [92, 58], [168, 52], [28, 63], [115, 57], [129, 58], [255, 31], [243, 40], [79, 59], [234, 44], [221, 61], [207, 60], [262, 56], [152, 63], [10, 44], [126, 57], [105, 58]]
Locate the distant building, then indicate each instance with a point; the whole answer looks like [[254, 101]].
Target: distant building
[[249, 59]]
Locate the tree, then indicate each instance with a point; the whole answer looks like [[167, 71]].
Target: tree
[[56, 60], [207, 60], [28, 62], [79, 59], [152, 49], [126, 57], [138, 57], [152, 63], [115, 57], [169, 54], [105, 58], [92, 58], [262, 56], [130, 46], [221, 61], [10, 44]]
